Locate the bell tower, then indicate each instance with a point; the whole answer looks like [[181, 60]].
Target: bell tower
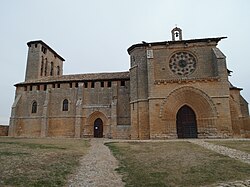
[[42, 61], [176, 34]]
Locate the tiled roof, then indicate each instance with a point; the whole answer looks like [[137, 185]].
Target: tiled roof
[[80, 77]]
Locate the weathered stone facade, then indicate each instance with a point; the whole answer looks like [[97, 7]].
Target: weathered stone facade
[[174, 89], [4, 130]]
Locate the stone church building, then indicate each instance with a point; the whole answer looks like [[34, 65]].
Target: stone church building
[[173, 89]]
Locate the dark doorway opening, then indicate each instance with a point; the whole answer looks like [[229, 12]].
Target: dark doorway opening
[[98, 128], [186, 123]]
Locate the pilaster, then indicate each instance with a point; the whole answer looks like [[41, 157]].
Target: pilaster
[[44, 124], [113, 110], [78, 117]]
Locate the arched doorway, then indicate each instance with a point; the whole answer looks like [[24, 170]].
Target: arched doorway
[[98, 128], [186, 123]]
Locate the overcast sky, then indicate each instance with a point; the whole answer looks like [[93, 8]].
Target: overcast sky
[[93, 35]]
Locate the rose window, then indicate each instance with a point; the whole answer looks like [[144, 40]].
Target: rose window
[[182, 63]]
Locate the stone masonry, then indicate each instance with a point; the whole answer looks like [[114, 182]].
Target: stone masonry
[[173, 89], [4, 130]]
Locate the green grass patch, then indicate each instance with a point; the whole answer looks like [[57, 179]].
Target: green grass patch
[[33, 145], [8, 153], [174, 164], [39, 162], [242, 145]]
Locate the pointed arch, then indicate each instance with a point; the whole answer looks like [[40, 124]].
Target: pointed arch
[[202, 105], [95, 115], [193, 97], [99, 120]]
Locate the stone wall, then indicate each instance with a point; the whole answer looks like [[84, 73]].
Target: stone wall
[[139, 94], [245, 127], [88, 101], [4, 130], [140, 104], [42, 61], [158, 92]]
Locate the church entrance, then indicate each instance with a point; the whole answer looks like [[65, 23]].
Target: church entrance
[[98, 128], [186, 123]]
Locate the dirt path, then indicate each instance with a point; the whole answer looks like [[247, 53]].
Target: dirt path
[[97, 168]]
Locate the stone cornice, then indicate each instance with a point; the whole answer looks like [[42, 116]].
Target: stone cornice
[[186, 80]]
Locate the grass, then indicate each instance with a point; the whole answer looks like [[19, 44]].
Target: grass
[[242, 145], [39, 162], [174, 164]]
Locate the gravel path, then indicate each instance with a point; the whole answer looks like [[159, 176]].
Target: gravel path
[[232, 153], [97, 168], [245, 183]]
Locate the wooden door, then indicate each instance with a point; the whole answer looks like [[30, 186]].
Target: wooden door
[[98, 128], [186, 123]]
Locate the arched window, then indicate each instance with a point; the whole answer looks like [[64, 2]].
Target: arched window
[[58, 70], [65, 106], [34, 107], [51, 69]]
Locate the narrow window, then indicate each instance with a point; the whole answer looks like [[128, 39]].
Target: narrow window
[[34, 107], [42, 64], [38, 87], [44, 50], [65, 105], [44, 87], [51, 69], [102, 84], [109, 83], [58, 85], [70, 84], [58, 70], [35, 45], [85, 84], [76, 84], [30, 87], [122, 83], [92, 84], [46, 67]]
